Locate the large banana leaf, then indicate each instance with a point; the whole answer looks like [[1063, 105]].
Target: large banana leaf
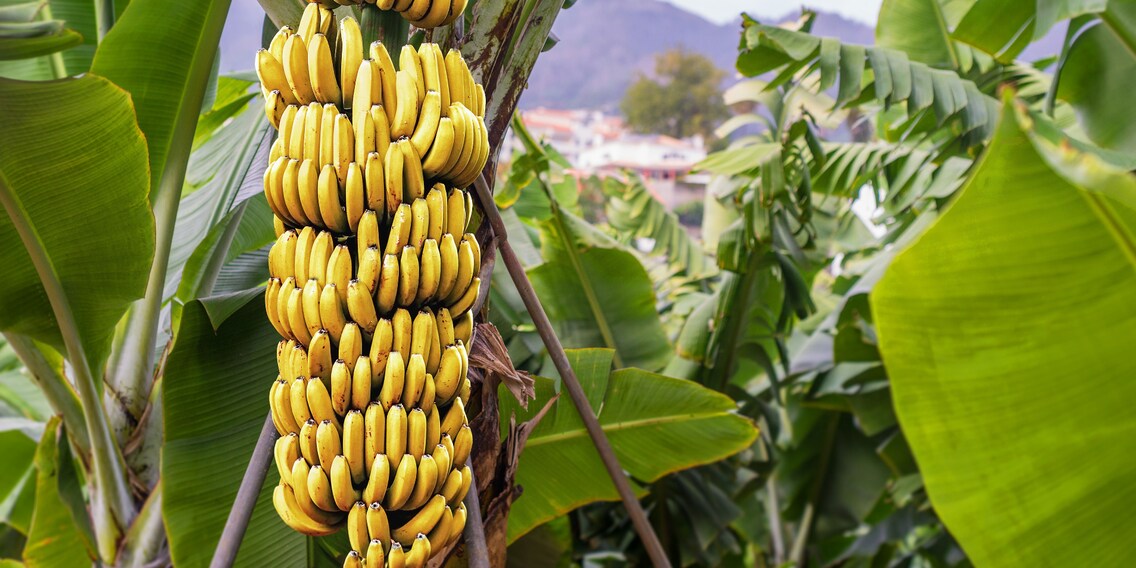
[[1006, 330], [1004, 29], [53, 539], [656, 424], [921, 29], [216, 398], [18, 477], [162, 53], [61, 199]]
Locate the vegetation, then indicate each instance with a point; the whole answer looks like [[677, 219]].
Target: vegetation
[[682, 98], [939, 382]]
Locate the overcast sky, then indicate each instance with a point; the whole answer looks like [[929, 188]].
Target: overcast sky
[[722, 11]]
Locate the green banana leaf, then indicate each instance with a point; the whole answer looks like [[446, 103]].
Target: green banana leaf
[[18, 478], [22, 48], [162, 54], [1006, 331], [921, 29], [56, 221], [1004, 29], [216, 400], [53, 539], [656, 424]]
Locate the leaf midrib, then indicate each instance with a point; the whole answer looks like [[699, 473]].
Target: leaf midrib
[[627, 425]]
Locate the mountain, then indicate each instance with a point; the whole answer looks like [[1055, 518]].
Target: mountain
[[605, 44]]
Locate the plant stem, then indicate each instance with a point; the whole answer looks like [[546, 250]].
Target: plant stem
[[568, 376], [146, 538], [58, 67], [220, 253], [56, 390], [112, 505], [104, 17], [247, 495], [773, 512], [477, 552]]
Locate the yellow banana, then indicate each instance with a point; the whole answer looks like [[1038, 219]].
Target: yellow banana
[[321, 67], [361, 383], [313, 124], [286, 451], [304, 241], [421, 522], [464, 277], [448, 379], [299, 486], [271, 183], [353, 560], [403, 332], [361, 306], [473, 170], [321, 253], [330, 206], [328, 444], [374, 433], [375, 182], [453, 421], [456, 9], [331, 312], [346, 496], [310, 305], [309, 22], [466, 301], [319, 400], [440, 148], [387, 74], [393, 168], [296, 320], [440, 534], [395, 446], [350, 50], [415, 381], [463, 444], [339, 271], [286, 288], [406, 113], [271, 299], [344, 145], [382, 129], [413, 177], [378, 479], [429, 271], [357, 535], [467, 481], [353, 445], [396, 558], [369, 266], [272, 78], [461, 155], [479, 100], [309, 442], [445, 325], [422, 335], [327, 135], [441, 457], [450, 266], [456, 214], [273, 409], [388, 285], [458, 524], [417, 10], [276, 46], [365, 141], [355, 196], [416, 434], [375, 557], [452, 487], [408, 60], [424, 485], [296, 69], [401, 222], [378, 526], [367, 235], [402, 484], [455, 73], [381, 344], [434, 17], [319, 353], [340, 387], [407, 276], [426, 401], [393, 379], [287, 122], [284, 500], [436, 203], [427, 126], [291, 191], [352, 345], [278, 227], [298, 361], [463, 329], [419, 223]]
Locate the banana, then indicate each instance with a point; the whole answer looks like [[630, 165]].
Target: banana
[[441, 457], [448, 379], [456, 72], [361, 383], [286, 451], [298, 361], [375, 557], [427, 127], [295, 63], [417, 10], [319, 353], [429, 271], [296, 320], [463, 154], [375, 181], [331, 312], [299, 129], [299, 486], [422, 335], [439, 213], [401, 223], [367, 236], [396, 558], [374, 431], [388, 284], [322, 69], [466, 301], [403, 332], [339, 271], [327, 135], [463, 329], [419, 223], [406, 112], [278, 227], [352, 345], [353, 445], [284, 500], [291, 191], [309, 303], [393, 379], [365, 141], [353, 560], [328, 444], [355, 196], [445, 325], [465, 390], [330, 206], [470, 151], [276, 47], [467, 481], [284, 357], [416, 434], [349, 47], [424, 485], [309, 441], [450, 266], [319, 257], [464, 277], [456, 9], [382, 129], [319, 489], [393, 168], [452, 487], [286, 288], [344, 145], [378, 526], [456, 219], [422, 522], [402, 484], [475, 248], [479, 100], [387, 74], [453, 421], [458, 524], [369, 265], [413, 177], [381, 344], [271, 299], [440, 148], [408, 60], [361, 306], [429, 395], [277, 149], [378, 479], [473, 170], [396, 435], [340, 387], [415, 381], [274, 188], [272, 78], [309, 22], [319, 400], [407, 276], [463, 444], [346, 496], [287, 121], [357, 534], [440, 534], [439, 10]]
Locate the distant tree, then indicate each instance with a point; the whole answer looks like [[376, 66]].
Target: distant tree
[[682, 98]]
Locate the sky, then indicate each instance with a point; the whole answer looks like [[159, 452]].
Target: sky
[[722, 11]]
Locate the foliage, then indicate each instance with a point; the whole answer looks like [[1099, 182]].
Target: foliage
[[682, 98]]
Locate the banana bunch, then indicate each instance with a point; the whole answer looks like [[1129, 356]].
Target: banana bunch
[[373, 278], [422, 14]]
